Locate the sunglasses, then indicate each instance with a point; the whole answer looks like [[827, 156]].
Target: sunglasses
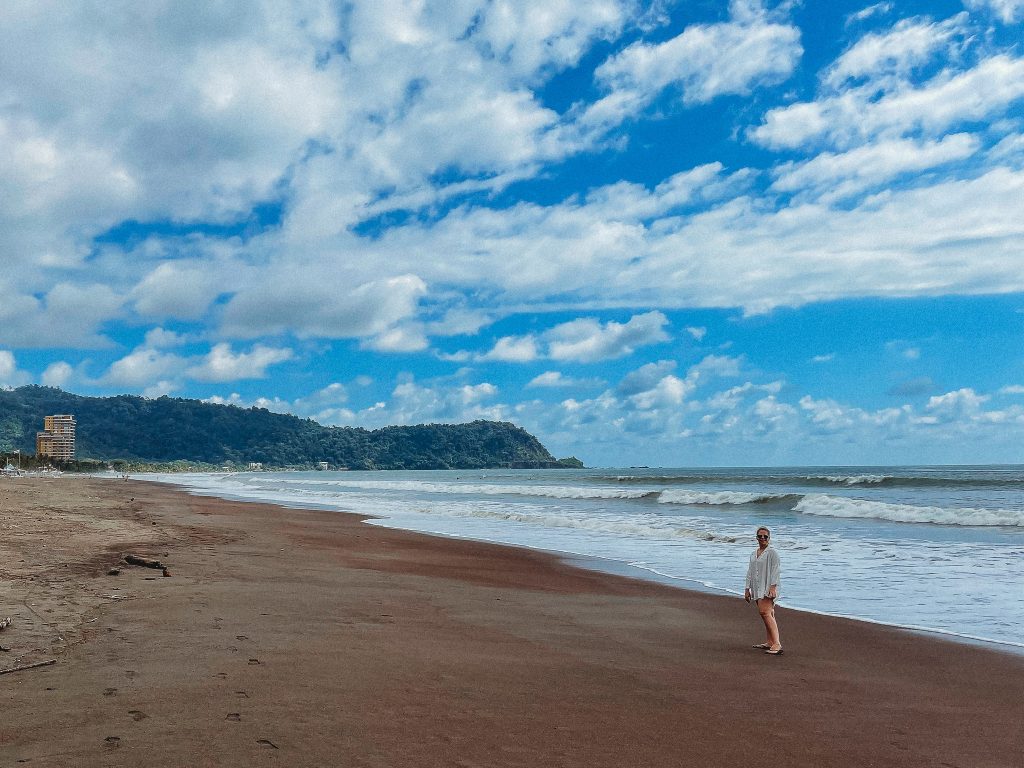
[[762, 536]]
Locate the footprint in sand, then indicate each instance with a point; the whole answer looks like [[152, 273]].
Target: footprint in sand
[[242, 694], [241, 637], [110, 691], [222, 675], [253, 662], [266, 743], [137, 715], [113, 742], [233, 716]]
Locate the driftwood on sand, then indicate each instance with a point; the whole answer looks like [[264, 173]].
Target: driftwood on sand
[[46, 663]]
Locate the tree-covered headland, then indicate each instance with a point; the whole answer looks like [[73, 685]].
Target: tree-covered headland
[[130, 432]]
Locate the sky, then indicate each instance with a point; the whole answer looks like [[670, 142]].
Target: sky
[[651, 233]]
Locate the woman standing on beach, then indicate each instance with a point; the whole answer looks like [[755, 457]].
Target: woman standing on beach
[[763, 588]]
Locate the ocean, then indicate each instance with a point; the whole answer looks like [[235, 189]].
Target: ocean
[[931, 548]]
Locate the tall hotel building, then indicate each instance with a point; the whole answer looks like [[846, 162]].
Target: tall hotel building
[[57, 440]]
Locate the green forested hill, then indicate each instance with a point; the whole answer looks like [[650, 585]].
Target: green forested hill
[[172, 429]]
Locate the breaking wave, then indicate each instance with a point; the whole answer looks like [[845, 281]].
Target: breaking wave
[[642, 526], [724, 497], [833, 506], [478, 489]]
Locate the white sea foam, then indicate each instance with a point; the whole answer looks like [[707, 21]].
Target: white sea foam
[[478, 489], [853, 479], [719, 497], [835, 506], [634, 525]]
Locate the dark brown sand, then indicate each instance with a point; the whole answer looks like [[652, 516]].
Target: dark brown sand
[[306, 638]]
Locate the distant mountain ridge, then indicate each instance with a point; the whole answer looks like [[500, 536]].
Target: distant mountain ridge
[[167, 429]]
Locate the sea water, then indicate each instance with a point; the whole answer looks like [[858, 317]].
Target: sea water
[[932, 548]]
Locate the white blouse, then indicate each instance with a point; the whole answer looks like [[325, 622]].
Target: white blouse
[[762, 573]]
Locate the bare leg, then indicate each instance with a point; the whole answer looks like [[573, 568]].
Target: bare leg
[[766, 608]]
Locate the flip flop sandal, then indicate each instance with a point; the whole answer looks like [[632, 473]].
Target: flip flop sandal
[[770, 652], [761, 646]]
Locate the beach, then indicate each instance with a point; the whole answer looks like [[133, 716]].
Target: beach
[[308, 638]]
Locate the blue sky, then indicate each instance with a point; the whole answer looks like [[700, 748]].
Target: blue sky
[[663, 233]]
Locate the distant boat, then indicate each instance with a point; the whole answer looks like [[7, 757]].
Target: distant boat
[[12, 471]]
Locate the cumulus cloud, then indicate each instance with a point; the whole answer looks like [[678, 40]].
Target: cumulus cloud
[[57, 374], [181, 290], [224, 364], [513, 349], [698, 333], [585, 340], [160, 338], [10, 376], [143, 367], [558, 380], [309, 304]]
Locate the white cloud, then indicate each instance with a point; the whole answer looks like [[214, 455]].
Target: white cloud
[[513, 349], [10, 376], [703, 62], [182, 290], [829, 176], [532, 38], [142, 367], [698, 333], [68, 315], [878, 9], [413, 403], [223, 364], [1012, 389], [827, 358], [315, 304], [851, 117], [160, 338], [584, 340], [587, 340], [57, 374], [558, 380], [909, 44], [161, 388], [1008, 11], [407, 337]]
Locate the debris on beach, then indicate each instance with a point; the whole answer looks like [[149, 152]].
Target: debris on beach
[[5, 623], [143, 561]]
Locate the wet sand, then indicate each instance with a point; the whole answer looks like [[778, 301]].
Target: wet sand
[[307, 638]]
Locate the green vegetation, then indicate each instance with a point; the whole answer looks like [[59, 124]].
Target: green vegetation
[[172, 433]]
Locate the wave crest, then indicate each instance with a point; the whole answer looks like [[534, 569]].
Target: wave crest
[[834, 506]]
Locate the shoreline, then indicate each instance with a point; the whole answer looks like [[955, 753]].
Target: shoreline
[[305, 637], [626, 570]]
